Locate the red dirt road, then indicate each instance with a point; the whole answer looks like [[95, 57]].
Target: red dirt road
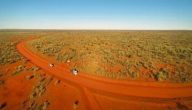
[[101, 93]]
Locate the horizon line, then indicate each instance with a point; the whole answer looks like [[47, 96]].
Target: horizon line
[[97, 29]]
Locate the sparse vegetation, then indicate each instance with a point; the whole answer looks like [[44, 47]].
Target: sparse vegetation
[[34, 68], [123, 54], [38, 106], [19, 69], [8, 42], [29, 77], [37, 92], [8, 52], [161, 75], [40, 88]]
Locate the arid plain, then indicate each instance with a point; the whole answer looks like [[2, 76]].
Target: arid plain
[[117, 70]]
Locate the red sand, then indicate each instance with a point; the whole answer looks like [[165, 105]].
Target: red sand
[[16, 88], [101, 93]]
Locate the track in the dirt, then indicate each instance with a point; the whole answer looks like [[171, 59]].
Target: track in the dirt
[[89, 85]]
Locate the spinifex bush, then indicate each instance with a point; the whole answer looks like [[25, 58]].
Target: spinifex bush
[[18, 69], [8, 42], [110, 53]]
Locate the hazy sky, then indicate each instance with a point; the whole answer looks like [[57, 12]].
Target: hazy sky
[[96, 14]]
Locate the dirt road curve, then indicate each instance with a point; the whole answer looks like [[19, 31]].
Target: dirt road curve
[[97, 89]]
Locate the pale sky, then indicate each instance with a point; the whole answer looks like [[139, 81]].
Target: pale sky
[[96, 14]]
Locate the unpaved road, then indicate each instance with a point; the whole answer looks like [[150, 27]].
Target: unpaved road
[[96, 89]]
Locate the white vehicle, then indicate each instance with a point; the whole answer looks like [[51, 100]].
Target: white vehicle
[[68, 61], [51, 65], [74, 71]]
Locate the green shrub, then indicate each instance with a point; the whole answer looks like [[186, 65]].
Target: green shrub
[[161, 76], [34, 68], [110, 48], [29, 77], [133, 75], [18, 69]]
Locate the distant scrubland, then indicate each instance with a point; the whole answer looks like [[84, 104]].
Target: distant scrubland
[[137, 55]]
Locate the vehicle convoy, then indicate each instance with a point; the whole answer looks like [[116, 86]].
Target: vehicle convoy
[[74, 71]]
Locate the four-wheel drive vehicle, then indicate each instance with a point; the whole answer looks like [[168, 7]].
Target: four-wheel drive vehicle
[[51, 65], [74, 71]]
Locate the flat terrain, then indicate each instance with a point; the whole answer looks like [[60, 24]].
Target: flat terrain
[[104, 81], [129, 55], [24, 86]]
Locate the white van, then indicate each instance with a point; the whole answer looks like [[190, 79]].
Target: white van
[[74, 71]]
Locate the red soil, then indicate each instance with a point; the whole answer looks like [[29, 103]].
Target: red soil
[[62, 96], [16, 88], [101, 93]]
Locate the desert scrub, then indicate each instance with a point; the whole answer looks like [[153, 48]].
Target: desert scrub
[[71, 55], [181, 76], [34, 68], [8, 42], [29, 77], [8, 52], [33, 105], [161, 75], [40, 88], [45, 47], [19, 69], [37, 92], [139, 49]]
